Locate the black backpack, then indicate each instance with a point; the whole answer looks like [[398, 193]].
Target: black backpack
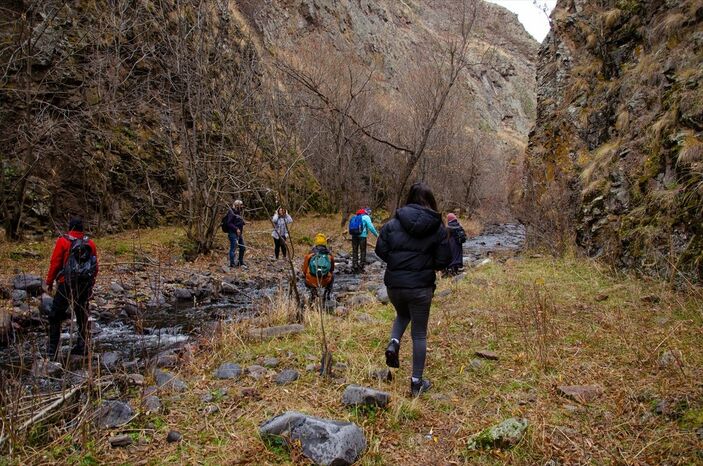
[[82, 265]]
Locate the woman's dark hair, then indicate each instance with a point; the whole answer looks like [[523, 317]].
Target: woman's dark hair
[[421, 194]]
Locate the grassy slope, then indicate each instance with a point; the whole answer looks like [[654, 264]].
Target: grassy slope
[[614, 342]]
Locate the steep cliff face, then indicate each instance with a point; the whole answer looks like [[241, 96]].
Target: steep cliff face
[[616, 156], [393, 37], [96, 104]]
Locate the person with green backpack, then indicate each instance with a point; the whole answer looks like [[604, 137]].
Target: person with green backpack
[[318, 268]]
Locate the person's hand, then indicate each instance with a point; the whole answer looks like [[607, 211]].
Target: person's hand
[[48, 287]]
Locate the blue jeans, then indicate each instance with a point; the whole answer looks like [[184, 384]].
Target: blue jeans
[[234, 242]]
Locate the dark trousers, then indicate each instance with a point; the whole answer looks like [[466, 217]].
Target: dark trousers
[[358, 249], [76, 296], [412, 305], [235, 242], [280, 247], [327, 293]]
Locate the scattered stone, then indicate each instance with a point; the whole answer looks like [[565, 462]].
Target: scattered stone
[[340, 367], [287, 376], [32, 284], [382, 295], [281, 330], [360, 300], [118, 441], [356, 395], [443, 293], [167, 380], [183, 294], [312, 368], [364, 317], [699, 433], [152, 403], [505, 435], [45, 368], [669, 358], [271, 362], [458, 278], [601, 297], [167, 359], [476, 364], [174, 436], [113, 413], [255, 371], [109, 360], [18, 296], [135, 379], [384, 374], [228, 370], [324, 442], [116, 288], [210, 409], [486, 354], [580, 393], [225, 269], [151, 390], [45, 304]]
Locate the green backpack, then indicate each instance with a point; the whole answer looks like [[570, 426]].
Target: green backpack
[[320, 264]]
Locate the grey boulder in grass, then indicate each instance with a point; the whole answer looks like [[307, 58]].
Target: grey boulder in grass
[[324, 442]]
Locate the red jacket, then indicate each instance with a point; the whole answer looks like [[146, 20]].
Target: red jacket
[[60, 256]]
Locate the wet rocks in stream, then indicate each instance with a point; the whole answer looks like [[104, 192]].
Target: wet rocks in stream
[[31, 284], [323, 441]]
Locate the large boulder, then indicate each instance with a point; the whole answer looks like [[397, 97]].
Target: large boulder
[[505, 435], [323, 441], [356, 395], [32, 284]]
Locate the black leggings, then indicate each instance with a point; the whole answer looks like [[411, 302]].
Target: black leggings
[[358, 252], [280, 247], [412, 305]]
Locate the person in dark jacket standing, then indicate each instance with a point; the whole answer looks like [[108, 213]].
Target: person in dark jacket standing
[[75, 277], [457, 237], [235, 230], [414, 244]]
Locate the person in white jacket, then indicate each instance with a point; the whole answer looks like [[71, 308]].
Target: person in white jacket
[[280, 221]]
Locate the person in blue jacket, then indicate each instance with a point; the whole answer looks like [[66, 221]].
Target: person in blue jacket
[[360, 226]]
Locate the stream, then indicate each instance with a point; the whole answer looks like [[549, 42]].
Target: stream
[[157, 334]]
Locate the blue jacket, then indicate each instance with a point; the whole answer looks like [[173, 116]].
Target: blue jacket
[[368, 226]]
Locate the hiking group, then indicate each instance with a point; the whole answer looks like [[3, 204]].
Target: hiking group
[[414, 244]]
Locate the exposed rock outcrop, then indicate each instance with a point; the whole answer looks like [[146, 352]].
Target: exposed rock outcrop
[[616, 157]]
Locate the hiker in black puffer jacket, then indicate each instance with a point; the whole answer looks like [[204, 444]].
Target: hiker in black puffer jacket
[[457, 237], [414, 244]]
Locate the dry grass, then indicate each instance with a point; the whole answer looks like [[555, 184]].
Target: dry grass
[[544, 318]]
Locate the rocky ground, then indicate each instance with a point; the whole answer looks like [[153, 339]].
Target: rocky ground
[[535, 360]]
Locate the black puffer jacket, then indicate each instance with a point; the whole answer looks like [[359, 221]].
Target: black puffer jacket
[[414, 244]]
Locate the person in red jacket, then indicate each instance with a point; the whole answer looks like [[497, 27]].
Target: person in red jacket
[[74, 266]]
